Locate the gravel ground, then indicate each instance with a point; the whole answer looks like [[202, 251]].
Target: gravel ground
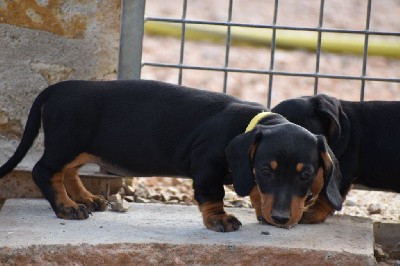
[[342, 14]]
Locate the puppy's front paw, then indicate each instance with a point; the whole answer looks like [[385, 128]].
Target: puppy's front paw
[[78, 212], [216, 219], [222, 223]]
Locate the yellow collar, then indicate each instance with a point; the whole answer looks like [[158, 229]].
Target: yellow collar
[[256, 119]]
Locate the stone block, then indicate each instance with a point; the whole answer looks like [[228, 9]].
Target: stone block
[[156, 234]]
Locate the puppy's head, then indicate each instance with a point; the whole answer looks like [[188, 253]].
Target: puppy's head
[[290, 166], [320, 114]]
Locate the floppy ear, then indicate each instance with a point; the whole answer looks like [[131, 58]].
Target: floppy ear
[[332, 174], [238, 154], [338, 123]]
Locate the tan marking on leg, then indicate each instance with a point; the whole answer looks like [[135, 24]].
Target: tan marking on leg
[[255, 199], [75, 188], [82, 159], [211, 208], [62, 200], [66, 179], [73, 184], [215, 218], [299, 167], [274, 165], [61, 196]]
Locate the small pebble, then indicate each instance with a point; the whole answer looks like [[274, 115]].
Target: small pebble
[[141, 191], [374, 208], [379, 253], [129, 198], [350, 202], [129, 191], [230, 196], [114, 197], [142, 200], [172, 202], [231, 247], [266, 233]]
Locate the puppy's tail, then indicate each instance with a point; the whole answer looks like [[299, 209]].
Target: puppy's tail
[[30, 133]]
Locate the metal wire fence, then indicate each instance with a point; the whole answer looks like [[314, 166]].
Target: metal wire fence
[[132, 30]]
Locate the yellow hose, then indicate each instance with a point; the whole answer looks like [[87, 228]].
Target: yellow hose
[[286, 39]]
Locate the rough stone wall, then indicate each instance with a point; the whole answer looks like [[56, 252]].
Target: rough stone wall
[[46, 41]]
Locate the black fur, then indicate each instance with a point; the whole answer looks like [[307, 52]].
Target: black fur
[[364, 136], [150, 128], [278, 140]]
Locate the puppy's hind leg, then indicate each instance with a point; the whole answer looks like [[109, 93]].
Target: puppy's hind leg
[[50, 182], [77, 191]]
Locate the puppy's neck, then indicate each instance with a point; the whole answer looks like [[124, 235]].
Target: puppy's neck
[[256, 119], [272, 119]]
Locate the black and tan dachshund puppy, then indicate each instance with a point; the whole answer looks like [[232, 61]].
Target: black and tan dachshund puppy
[[364, 136], [150, 128]]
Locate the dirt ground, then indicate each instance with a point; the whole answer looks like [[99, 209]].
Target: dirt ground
[[338, 14], [341, 14]]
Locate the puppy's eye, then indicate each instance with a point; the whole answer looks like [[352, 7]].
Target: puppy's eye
[[266, 173], [305, 175]]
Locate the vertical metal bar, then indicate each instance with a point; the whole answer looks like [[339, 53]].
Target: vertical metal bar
[[318, 56], [131, 39], [183, 38], [228, 45], [273, 46], [365, 57]]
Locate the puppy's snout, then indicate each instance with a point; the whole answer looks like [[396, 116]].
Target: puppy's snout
[[280, 217]]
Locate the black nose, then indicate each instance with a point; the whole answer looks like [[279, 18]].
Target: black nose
[[280, 219]]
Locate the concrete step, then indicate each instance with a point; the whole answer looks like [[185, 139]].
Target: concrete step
[[30, 233]]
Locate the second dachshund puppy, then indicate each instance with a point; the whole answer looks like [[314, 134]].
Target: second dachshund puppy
[[363, 135], [149, 128]]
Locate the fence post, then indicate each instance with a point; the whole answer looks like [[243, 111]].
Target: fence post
[[131, 39]]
